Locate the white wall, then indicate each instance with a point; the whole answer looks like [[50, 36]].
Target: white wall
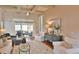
[[9, 27], [9, 21]]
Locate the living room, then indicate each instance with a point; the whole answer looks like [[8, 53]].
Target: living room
[[35, 29]]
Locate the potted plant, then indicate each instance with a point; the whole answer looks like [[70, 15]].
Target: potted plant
[[57, 28]]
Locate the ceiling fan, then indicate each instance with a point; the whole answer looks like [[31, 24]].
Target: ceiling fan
[[31, 9], [26, 9]]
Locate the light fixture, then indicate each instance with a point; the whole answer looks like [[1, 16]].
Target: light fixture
[[50, 22], [2, 30], [50, 29], [28, 13]]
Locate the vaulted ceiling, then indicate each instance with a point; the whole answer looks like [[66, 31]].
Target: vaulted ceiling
[[36, 9]]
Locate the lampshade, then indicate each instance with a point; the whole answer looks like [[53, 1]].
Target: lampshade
[[50, 29], [50, 22], [2, 30]]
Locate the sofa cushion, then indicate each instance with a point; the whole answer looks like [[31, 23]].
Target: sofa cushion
[[74, 35], [73, 42]]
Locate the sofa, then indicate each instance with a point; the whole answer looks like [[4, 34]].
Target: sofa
[[70, 45], [6, 47], [5, 44]]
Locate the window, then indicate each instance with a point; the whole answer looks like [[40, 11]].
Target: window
[[31, 27], [17, 27], [24, 27]]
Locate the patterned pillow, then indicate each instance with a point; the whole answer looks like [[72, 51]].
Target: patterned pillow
[[74, 35], [73, 42]]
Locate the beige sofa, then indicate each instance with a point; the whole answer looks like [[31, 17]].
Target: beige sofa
[[6, 47], [70, 45]]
